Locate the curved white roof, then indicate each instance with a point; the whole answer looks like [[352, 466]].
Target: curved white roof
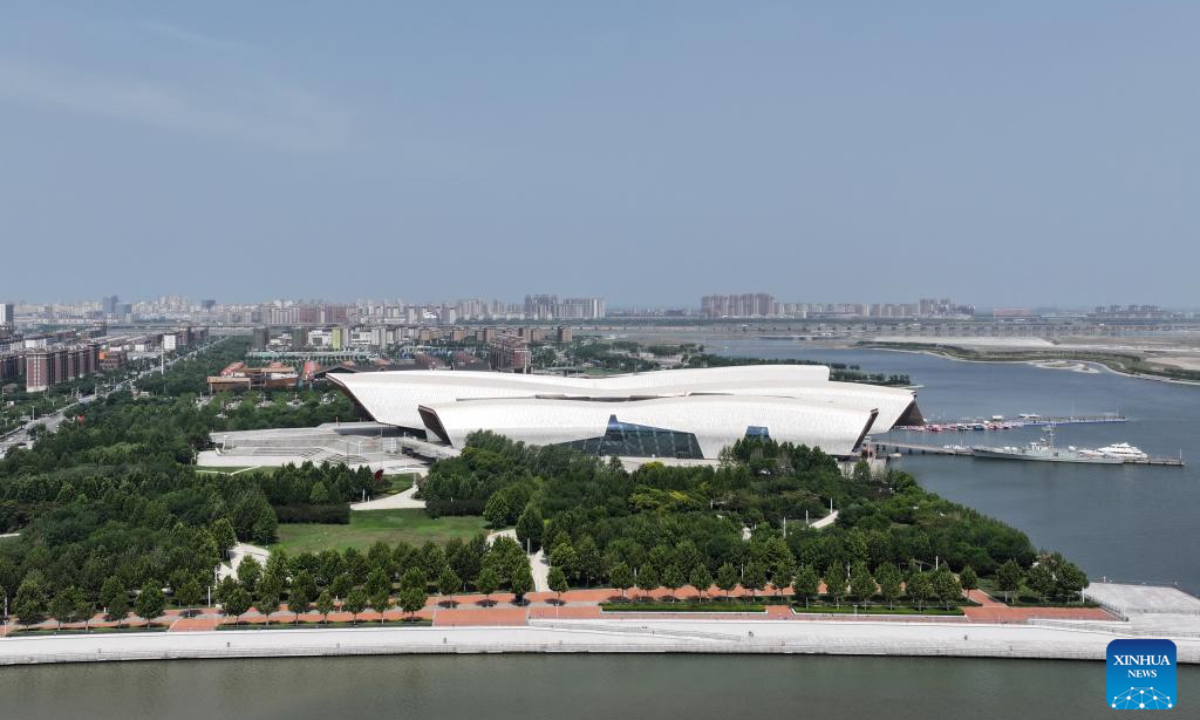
[[717, 421], [393, 397]]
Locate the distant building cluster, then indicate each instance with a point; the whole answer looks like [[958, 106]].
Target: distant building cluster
[[52, 358], [169, 308], [237, 376], [548, 307], [1129, 312], [764, 305]]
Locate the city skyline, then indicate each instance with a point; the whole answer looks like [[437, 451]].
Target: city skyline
[[641, 153]]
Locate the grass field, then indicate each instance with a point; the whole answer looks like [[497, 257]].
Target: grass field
[[406, 622], [369, 526], [400, 483], [847, 609], [693, 607]]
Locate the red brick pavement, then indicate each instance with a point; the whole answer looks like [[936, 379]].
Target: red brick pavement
[[566, 612], [481, 616], [991, 610]]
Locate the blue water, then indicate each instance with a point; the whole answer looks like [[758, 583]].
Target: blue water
[[1127, 523]]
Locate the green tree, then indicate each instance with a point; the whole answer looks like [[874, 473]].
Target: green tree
[[1009, 578], [115, 600], [325, 606], [150, 602], [530, 526], [521, 583], [621, 578], [223, 533], [1071, 580], [355, 603], [268, 604], [806, 584], [341, 585], [237, 604], [496, 511], [647, 579], [920, 588], [449, 582], [299, 599], [487, 582], [1040, 580], [110, 590], [30, 605], [564, 556], [412, 600], [835, 584], [727, 579], [672, 579], [862, 585], [701, 579], [589, 564], [381, 601], [378, 582], [249, 573], [968, 579], [319, 495], [558, 582], [890, 583], [946, 586], [755, 577], [69, 606], [188, 595]]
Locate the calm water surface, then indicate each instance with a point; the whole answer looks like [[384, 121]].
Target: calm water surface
[[1115, 521], [576, 687]]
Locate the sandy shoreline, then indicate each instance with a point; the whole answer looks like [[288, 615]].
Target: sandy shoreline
[[1106, 368]]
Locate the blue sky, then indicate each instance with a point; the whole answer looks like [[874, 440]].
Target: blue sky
[[649, 152]]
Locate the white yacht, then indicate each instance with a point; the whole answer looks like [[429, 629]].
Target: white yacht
[[1124, 451]]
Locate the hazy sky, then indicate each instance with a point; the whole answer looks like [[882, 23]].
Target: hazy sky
[[649, 152]]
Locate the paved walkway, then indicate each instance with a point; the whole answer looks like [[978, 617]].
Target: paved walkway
[[540, 567], [826, 521], [608, 634], [400, 501], [991, 610], [498, 609], [238, 553]]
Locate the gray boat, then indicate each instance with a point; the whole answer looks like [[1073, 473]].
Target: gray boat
[[1043, 450]]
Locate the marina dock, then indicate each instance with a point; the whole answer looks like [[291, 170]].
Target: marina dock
[[889, 448], [997, 422]]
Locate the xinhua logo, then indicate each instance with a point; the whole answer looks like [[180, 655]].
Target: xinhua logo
[[1141, 675]]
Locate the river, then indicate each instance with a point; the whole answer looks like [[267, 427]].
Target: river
[[575, 687], [1127, 523]]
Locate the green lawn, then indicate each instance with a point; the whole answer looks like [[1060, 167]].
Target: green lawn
[[847, 609], [367, 527], [400, 483], [693, 607], [285, 625], [1025, 597]]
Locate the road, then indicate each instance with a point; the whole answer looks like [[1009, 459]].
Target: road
[[21, 435]]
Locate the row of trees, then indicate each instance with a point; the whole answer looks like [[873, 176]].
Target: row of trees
[[592, 517]]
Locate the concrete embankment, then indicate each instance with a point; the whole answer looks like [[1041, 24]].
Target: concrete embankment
[[590, 636]]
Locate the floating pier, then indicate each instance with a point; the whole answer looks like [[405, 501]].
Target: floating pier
[[998, 422], [888, 448]]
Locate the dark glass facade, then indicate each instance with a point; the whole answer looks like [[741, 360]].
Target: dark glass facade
[[629, 440]]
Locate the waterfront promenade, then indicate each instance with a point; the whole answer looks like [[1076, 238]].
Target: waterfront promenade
[[581, 626]]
